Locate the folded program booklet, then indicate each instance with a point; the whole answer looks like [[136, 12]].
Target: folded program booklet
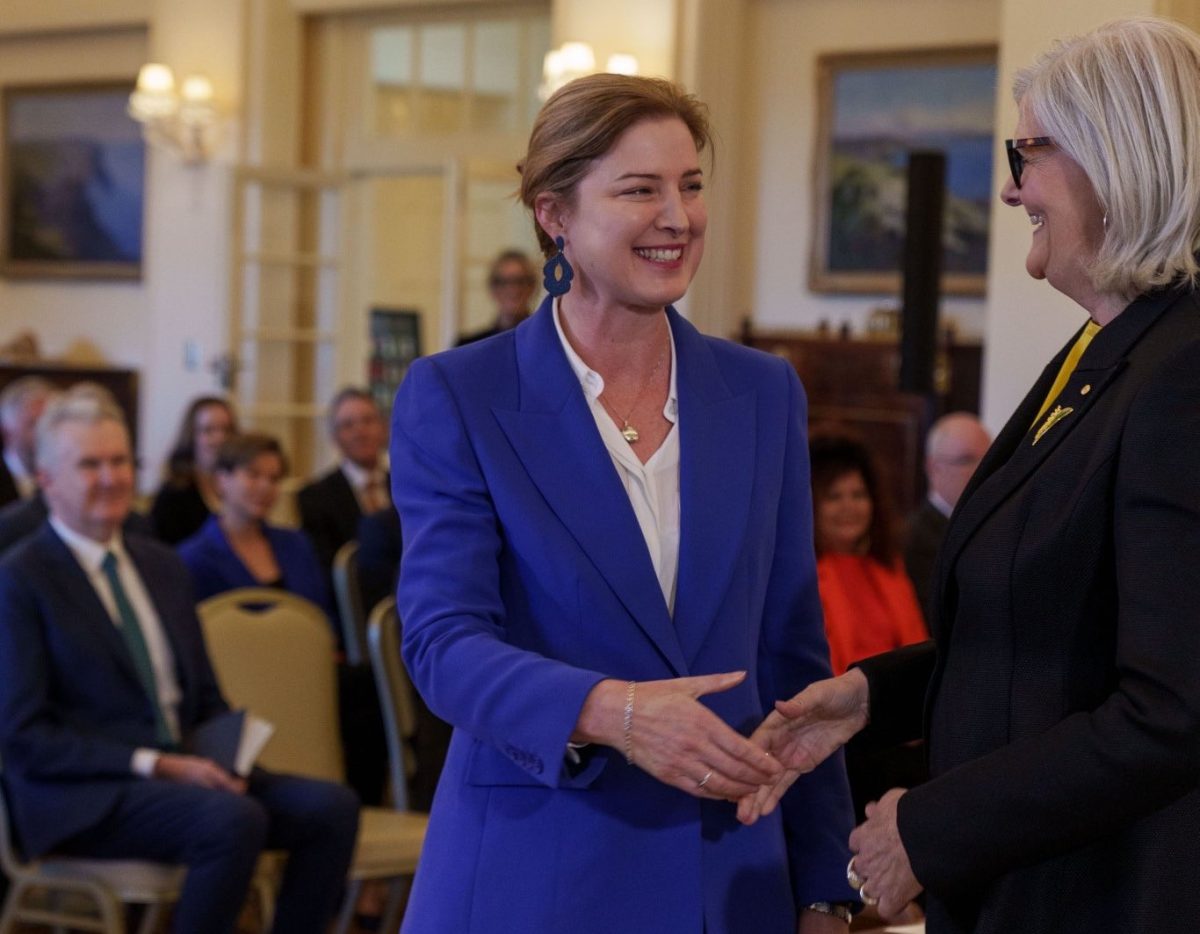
[[233, 740]]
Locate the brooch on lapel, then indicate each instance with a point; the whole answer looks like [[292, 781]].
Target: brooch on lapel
[[1056, 416]]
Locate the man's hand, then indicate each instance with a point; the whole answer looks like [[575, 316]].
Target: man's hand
[[676, 738], [880, 859], [195, 770], [805, 731]]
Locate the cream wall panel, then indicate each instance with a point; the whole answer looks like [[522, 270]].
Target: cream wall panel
[[1027, 321], [27, 16], [785, 37]]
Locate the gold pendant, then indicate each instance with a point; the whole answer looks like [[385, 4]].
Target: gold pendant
[[629, 433]]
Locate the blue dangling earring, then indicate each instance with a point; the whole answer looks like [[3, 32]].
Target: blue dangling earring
[[557, 273]]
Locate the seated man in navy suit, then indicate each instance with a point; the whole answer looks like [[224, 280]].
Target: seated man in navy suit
[[104, 675]]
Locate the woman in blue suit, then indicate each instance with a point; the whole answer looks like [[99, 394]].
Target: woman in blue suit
[[239, 548], [608, 574]]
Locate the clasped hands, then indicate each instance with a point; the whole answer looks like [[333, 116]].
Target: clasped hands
[[684, 744]]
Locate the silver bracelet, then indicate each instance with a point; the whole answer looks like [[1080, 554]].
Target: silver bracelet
[[837, 909], [630, 690]]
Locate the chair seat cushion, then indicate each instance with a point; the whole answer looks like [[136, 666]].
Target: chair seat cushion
[[130, 880], [389, 843]]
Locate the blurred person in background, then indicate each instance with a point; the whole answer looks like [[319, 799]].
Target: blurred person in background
[[511, 281], [188, 496], [953, 449]]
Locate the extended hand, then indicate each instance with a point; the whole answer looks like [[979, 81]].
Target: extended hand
[[880, 859], [676, 738], [805, 731], [195, 770]]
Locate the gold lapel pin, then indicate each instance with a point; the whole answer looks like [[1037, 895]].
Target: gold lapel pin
[[1052, 419], [1085, 389]]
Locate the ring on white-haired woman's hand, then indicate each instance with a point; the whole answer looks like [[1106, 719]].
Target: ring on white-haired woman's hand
[[704, 780]]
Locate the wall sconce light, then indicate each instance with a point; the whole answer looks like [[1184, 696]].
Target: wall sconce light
[[573, 60], [182, 121]]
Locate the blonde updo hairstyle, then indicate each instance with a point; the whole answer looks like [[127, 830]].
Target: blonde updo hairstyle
[[1123, 102], [584, 119]]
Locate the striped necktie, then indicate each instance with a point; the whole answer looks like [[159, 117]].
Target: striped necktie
[[135, 641]]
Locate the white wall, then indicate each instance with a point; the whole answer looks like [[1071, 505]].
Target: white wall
[[784, 38], [1027, 321]]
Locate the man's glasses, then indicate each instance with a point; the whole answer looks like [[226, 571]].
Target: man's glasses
[[1016, 160]]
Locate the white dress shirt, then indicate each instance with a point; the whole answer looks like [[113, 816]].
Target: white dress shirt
[[652, 487], [25, 484], [361, 480], [90, 555]]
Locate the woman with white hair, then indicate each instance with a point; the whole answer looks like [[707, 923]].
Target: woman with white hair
[[1062, 703]]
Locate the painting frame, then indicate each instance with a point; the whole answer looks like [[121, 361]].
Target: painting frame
[[96, 228], [825, 272]]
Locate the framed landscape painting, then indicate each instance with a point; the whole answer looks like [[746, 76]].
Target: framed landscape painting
[[874, 109], [72, 181]]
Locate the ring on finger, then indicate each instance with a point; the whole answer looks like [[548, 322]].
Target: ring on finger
[[856, 881], [869, 900], [704, 780]]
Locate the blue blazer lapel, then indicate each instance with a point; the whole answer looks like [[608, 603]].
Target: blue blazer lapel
[[716, 473], [554, 435]]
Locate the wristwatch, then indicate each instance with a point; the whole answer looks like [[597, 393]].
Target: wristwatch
[[840, 910]]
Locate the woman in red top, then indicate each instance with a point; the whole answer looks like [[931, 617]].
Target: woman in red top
[[870, 605]]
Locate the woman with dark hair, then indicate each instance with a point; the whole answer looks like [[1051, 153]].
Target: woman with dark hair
[[239, 547], [869, 602], [608, 574], [188, 496]]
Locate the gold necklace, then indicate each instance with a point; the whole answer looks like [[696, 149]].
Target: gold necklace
[[628, 432]]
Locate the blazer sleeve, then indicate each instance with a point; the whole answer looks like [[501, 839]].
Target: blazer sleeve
[[817, 811], [524, 704], [1099, 770], [34, 737]]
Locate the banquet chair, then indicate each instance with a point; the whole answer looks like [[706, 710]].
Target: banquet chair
[[348, 594], [273, 655], [82, 894]]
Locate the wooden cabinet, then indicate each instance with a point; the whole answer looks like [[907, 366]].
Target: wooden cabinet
[[852, 385]]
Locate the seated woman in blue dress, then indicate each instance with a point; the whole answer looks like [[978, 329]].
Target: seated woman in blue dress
[[239, 548]]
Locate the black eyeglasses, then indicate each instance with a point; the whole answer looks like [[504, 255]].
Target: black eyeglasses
[[1016, 160]]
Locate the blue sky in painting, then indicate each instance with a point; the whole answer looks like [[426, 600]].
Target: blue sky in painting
[[902, 103], [947, 107]]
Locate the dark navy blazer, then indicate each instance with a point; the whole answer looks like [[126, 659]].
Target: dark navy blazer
[[72, 708], [216, 568], [526, 580]]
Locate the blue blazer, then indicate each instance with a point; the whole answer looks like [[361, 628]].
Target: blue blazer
[[72, 709], [216, 568], [525, 580]]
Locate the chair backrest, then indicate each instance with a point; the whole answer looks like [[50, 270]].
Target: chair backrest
[[395, 696], [348, 594], [10, 860], [273, 655]]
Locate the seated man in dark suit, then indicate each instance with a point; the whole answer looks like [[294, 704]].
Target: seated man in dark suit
[[953, 449], [25, 516], [331, 505], [103, 678], [21, 403]]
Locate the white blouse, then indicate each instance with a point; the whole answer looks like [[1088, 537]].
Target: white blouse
[[652, 487]]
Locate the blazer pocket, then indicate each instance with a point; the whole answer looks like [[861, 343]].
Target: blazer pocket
[[491, 768]]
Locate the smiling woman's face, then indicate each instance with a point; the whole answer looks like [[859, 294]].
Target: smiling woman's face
[[1067, 219]]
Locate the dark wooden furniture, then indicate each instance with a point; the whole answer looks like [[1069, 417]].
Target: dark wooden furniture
[[123, 384], [851, 384]]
